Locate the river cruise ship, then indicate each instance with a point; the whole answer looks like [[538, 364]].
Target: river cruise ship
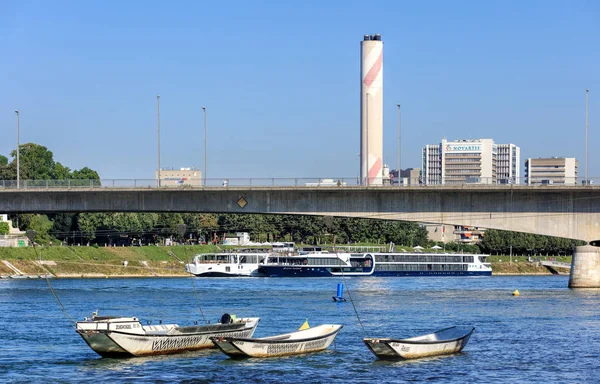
[[375, 264], [226, 264]]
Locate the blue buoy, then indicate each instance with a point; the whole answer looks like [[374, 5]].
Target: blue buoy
[[340, 293]]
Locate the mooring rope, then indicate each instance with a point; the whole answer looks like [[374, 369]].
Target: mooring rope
[[60, 304], [195, 291], [348, 290]]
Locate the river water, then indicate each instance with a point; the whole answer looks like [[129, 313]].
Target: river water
[[548, 334]]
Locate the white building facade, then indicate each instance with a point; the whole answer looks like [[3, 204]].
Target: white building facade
[[15, 237], [178, 177], [470, 161], [552, 170], [432, 164], [508, 160]]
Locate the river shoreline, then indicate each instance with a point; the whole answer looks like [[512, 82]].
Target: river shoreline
[[113, 273], [152, 261]]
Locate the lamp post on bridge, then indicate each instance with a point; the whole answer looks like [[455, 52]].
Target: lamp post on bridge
[[587, 181], [18, 151], [399, 165], [158, 138], [204, 176]]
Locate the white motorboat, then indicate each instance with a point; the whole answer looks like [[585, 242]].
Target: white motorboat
[[309, 340], [126, 336], [443, 342], [226, 264]]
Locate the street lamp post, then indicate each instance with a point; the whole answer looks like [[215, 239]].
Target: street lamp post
[[204, 110], [18, 151], [399, 165], [367, 139], [158, 138], [587, 181]]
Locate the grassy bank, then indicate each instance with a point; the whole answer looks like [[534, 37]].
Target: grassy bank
[[520, 265], [162, 261], [101, 261]]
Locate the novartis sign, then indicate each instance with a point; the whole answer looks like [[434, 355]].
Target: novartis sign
[[462, 148]]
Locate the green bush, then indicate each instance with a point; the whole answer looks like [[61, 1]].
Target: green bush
[[3, 228]]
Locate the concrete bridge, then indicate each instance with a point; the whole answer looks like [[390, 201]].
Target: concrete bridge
[[571, 212], [564, 211], [554, 266]]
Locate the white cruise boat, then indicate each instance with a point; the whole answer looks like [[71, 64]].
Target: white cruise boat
[[226, 264], [323, 264]]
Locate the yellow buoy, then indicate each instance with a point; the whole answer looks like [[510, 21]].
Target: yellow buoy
[[516, 293], [304, 326]]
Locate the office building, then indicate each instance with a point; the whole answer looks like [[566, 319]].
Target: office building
[[170, 177], [432, 164], [408, 176], [447, 233], [508, 160], [552, 170], [470, 161]]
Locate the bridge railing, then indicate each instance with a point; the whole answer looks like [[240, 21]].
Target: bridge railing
[[281, 182]]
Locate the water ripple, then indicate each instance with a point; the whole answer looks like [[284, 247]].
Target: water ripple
[[548, 334]]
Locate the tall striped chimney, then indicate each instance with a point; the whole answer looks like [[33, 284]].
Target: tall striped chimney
[[371, 110]]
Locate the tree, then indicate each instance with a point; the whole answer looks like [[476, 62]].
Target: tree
[[42, 226], [498, 242], [8, 172], [85, 174], [200, 224], [61, 172], [63, 223], [168, 222], [89, 223], [36, 162]]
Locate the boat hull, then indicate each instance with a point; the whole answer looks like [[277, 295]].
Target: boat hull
[[148, 345], [423, 346], [102, 344], [276, 346], [227, 274], [432, 273], [300, 271]]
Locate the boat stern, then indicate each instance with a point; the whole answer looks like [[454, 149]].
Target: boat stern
[[228, 347], [380, 348], [100, 343], [94, 331]]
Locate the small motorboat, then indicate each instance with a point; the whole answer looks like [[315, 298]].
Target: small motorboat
[[111, 336], [303, 341], [443, 342]]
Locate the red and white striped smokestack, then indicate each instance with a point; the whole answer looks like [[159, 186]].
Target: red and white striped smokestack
[[371, 110]]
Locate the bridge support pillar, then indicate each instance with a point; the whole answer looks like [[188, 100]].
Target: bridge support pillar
[[585, 267]]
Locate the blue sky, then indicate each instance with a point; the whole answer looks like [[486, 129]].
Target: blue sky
[[280, 81]]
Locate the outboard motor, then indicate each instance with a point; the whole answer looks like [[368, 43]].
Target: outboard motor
[[226, 319]]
